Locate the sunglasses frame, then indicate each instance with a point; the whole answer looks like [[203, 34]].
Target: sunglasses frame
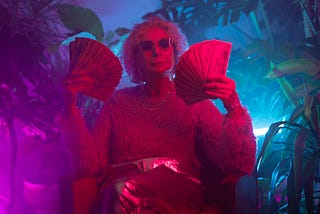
[[149, 45]]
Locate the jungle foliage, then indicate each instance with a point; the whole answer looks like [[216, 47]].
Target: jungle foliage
[[277, 75]]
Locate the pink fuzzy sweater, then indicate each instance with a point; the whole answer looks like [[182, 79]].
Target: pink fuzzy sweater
[[129, 129]]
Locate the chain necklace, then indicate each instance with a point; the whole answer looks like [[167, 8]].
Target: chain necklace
[[151, 103]]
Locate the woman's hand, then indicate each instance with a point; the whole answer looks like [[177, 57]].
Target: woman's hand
[[74, 84], [77, 82], [223, 88], [219, 87]]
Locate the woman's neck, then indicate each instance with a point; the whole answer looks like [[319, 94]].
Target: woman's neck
[[158, 88]]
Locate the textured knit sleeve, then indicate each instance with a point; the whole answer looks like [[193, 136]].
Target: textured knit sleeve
[[227, 141], [86, 149]]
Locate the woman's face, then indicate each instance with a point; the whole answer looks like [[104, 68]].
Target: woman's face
[[155, 52]]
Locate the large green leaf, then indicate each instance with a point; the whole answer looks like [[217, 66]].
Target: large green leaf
[[278, 177], [308, 178], [288, 91], [311, 164], [309, 66], [308, 101], [79, 19], [273, 130], [298, 111], [308, 191], [299, 147], [309, 86], [293, 205], [315, 120]]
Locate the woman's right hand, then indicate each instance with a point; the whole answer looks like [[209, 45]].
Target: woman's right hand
[[74, 84]]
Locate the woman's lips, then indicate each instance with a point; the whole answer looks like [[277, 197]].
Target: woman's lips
[[157, 63]]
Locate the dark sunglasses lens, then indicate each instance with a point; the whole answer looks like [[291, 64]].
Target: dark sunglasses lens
[[146, 45], [164, 43]]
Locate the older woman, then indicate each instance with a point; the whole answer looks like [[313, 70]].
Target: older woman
[[157, 148]]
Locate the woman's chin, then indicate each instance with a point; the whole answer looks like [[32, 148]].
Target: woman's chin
[[160, 70], [160, 74]]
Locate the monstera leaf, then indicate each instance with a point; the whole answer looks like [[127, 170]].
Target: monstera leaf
[[202, 14], [79, 19]]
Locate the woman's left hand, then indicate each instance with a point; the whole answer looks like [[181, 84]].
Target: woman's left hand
[[219, 87]]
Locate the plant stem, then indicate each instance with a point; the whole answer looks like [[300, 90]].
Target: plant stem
[[14, 149]]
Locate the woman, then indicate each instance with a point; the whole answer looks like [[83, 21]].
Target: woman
[[145, 126]]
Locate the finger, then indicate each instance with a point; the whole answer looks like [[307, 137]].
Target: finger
[[224, 80], [75, 88], [75, 85], [78, 80], [218, 94], [218, 91], [219, 79], [218, 85]]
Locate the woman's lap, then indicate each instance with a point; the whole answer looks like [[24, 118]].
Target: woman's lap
[[160, 190]]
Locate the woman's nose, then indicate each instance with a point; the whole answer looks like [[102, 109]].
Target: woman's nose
[[156, 50]]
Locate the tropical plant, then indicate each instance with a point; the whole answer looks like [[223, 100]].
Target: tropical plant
[[26, 27], [201, 15], [290, 151], [288, 92], [33, 64], [90, 23], [288, 161], [281, 65], [288, 48]]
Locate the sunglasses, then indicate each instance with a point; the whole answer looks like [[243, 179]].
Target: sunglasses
[[164, 43]]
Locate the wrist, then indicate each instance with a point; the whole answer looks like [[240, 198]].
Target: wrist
[[69, 104], [232, 103]]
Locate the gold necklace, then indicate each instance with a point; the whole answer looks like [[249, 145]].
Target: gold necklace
[[154, 103]]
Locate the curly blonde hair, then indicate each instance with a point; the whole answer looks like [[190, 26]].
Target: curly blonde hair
[[128, 53]]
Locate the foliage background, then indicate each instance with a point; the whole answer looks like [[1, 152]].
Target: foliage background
[[275, 62]]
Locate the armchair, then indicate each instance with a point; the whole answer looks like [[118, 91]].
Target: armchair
[[78, 195]]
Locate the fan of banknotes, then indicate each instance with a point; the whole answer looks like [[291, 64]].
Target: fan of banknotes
[[202, 61], [95, 60]]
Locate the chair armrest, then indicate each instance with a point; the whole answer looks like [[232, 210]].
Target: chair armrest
[[77, 195]]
